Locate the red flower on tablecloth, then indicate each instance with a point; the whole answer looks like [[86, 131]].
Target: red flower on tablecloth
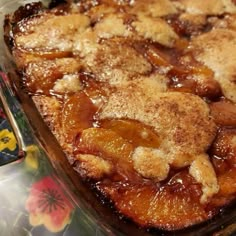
[[47, 204]]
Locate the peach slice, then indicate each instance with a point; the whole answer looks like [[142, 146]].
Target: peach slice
[[224, 113], [133, 131], [40, 76], [110, 146], [151, 205], [227, 183], [77, 114], [106, 142]]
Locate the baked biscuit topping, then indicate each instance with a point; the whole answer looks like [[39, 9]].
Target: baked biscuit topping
[[141, 97], [210, 7], [155, 29], [214, 49], [154, 8], [60, 29], [105, 27]]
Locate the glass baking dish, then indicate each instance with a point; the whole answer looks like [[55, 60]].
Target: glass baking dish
[[99, 215]]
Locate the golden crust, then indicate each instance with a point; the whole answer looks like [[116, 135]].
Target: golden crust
[[155, 29], [214, 49], [154, 8], [113, 61], [105, 27], [171, 114], [93, 167], [50, 109], [203, 171], [151, 163], [51, 32], [210, 7], [43, 104]]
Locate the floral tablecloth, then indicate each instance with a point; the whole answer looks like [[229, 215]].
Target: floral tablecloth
[[8, 145], [32, 200]]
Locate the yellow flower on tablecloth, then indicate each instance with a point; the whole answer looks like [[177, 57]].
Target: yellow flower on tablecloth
[[7, 140], [32, 157], [48, 205]]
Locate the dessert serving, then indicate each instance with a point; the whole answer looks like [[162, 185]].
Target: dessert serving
[[141, 98]]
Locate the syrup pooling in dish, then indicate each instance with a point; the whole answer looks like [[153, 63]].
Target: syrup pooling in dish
[[141, 97]]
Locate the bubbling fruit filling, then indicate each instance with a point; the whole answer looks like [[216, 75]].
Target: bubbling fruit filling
[[141, 97]]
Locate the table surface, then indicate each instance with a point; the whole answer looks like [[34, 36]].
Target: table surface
[[32, 199]]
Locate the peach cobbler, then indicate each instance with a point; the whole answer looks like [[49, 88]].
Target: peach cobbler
[[140, 95]]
